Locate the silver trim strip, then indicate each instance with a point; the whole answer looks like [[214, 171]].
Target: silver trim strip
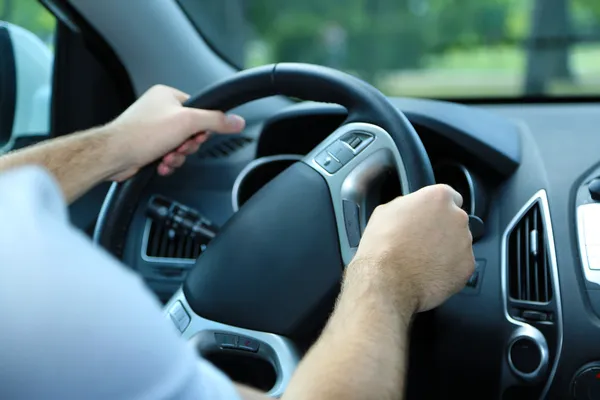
[[542, 198], [108, 200], [351, 181], [250, 167], [591, 275], [287, 356]]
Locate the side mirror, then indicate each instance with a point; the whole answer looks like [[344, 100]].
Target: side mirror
[[25, 84]]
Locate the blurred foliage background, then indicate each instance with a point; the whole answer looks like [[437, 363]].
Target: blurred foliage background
[[31, 15], [430, 48]]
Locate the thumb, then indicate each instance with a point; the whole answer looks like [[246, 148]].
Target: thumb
[[214, 121]]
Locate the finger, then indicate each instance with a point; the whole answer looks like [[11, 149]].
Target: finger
[[195, 141], [184, 147], [179, 95], [191, 149], [457, 198], [174, 160], [202, 137], [215, 121], [164, 170]]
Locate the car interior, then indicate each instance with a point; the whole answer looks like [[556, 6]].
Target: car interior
[[246, 244]]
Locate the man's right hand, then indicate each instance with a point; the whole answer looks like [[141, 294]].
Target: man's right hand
[[417, 249], [414, 254]]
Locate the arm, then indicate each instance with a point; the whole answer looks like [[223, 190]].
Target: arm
[[155, 125], [400, 268], [362, 351]]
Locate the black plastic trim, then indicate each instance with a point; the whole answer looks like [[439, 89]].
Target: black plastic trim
[[8, 86], [98, 48]]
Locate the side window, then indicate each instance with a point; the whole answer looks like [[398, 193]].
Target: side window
[[26, 62]]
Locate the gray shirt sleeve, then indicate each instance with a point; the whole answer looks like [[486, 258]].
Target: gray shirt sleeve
[[76, 324]]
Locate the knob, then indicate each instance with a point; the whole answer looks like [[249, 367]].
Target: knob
[[594, 188], [525, 355], [528, 353], [586, 384]]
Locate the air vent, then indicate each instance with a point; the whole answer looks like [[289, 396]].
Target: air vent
[[165, 242], [223, 146], [528, 264]]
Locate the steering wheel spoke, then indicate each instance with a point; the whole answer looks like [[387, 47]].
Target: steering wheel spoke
[[352, 160], [211, 337]]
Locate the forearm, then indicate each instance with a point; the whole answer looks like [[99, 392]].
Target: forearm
[[362, 351], [78, 161]]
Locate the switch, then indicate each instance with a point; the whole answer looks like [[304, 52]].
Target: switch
[[248, 344], [357, 139], [179, 316], [534, 315], [354, 142], [227, 341], [328, 162], [351, 222], [594, 188], [525, 355], [341, 152], [472, 282]]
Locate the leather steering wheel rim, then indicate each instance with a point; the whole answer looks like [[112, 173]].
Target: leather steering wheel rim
[[207, 288], [304, 81]]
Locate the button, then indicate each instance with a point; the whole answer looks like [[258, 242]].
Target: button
[[586, 385], [248, 344], [357, 139], [227, 341], [591, 223], [472, 282], [534, 315], [525, 355], [179, 316], [594, 188], [352, 223], [593, 251], [341, 152], [355, 142], [594, 263], [328, 163]]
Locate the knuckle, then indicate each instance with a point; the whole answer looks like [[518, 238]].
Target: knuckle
[[463, 217], [157, 87], [378, 210], [441, 192], [187, 116]]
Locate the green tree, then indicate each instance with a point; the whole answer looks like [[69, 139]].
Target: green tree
[[29, 14]]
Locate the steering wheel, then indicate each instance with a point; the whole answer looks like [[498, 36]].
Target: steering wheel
[[276, 266]]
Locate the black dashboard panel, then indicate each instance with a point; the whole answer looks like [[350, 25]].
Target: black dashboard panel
[[565, 140], [514, 151], [494, 142]]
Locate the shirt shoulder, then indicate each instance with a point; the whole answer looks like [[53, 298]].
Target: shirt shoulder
[[81, 324]]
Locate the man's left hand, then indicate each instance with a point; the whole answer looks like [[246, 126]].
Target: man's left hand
[[159, 126]]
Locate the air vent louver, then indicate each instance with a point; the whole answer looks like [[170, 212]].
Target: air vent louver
[[223, 146], [165, 242], [528, 265]]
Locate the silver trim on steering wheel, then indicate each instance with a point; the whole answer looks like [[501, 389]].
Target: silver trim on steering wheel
[[275, 349], [376, 154]]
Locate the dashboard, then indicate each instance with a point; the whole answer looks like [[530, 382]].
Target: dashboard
[[526, 325]]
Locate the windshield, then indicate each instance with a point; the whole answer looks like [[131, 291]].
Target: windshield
[[424, 48]]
